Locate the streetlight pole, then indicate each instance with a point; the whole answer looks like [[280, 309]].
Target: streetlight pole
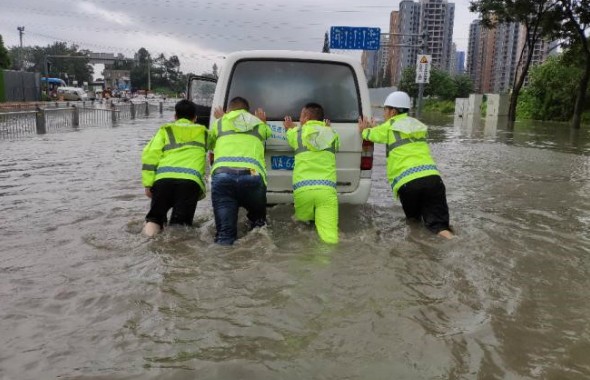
[[149, 74], [421, 84], [21, 30]]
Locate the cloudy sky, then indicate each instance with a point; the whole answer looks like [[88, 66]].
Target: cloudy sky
[[200, 32]]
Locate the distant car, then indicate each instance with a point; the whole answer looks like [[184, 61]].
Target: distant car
[[72, 93]]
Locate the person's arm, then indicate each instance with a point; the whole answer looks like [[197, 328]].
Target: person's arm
[[264, 128], [291, 131], [337, 142], [292, 137], [378, 134], [212, 136], [150, 158]]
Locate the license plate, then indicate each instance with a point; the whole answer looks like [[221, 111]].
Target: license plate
[[282, 162]]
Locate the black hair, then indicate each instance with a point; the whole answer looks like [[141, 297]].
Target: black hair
[[398, 110], [238, 103], [316, 111], [185, 109]]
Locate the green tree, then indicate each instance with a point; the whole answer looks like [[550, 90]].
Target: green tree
[[539, 17], [552, 89], [441, 85], [78, 69], [139, 74], [4, 58], [407, 82], [464, 86], [575, 32]]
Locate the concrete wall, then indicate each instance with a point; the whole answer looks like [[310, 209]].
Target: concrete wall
[[19, 86], [497, 104]]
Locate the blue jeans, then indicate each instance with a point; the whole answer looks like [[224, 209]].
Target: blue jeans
[[231, 191]]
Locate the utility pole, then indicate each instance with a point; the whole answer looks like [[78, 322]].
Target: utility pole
[[21, 31], [149, 74], [423, 50]]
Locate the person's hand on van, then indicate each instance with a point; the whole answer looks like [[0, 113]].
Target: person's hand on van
[[259, 113], [365, 122], [288, 123], [218, 112]]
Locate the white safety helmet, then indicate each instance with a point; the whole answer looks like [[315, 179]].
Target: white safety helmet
[[398, 99]]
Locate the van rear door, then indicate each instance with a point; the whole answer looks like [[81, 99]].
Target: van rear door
[[282, 87]]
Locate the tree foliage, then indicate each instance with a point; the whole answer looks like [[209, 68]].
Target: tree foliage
[[576, 16], [4, 58], [68, 69], [539, 17], [552, 89], [442, 85]]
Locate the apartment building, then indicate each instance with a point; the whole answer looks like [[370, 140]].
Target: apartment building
[[493, 55], [435, 19]]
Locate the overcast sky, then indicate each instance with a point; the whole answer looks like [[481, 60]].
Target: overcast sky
[[200, 32]]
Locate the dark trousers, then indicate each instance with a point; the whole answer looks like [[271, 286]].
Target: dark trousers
[[425, 199], [229, 192], [180, 195]]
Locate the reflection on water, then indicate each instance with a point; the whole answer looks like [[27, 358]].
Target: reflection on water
[[85, 296], [552, 135]]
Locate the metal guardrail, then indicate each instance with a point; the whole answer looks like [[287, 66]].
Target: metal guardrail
[[16, 124], [53, 118]]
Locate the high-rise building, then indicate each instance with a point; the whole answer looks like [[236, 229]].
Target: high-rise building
[[370, 65], [437, 21], [473, 56], [493, 55], [459, 63], [375, 64], [432, 18]]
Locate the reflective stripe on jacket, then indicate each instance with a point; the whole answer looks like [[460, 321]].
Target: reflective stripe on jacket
[[242, 146], [178, 151], [315, 162], [408, 154]]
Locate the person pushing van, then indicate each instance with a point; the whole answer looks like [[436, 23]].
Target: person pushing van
[[173, 169], [411, 169], [238, 171], [314, 177]]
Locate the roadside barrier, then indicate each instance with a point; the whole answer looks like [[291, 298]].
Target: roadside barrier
[[54, 117]]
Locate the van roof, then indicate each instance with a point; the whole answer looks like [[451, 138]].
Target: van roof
[[290, 54], [70, 88]]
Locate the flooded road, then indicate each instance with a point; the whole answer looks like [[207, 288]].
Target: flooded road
[[84, 296]]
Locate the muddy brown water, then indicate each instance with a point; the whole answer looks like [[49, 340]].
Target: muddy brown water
[[84, 296]]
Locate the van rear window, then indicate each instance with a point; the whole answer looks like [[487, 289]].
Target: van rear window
[[283, 87]]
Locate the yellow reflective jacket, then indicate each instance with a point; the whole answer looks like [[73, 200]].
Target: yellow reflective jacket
[[237, 140], [178, 151], [408, 154], [315, 146]]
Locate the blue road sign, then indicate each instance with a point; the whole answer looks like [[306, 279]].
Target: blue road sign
[[349, 37]]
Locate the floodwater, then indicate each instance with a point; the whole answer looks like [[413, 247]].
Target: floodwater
[[84, 296]]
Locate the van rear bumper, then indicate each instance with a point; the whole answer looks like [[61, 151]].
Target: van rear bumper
[[357, 197]]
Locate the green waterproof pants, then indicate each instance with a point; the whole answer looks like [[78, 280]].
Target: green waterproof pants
[[321, 206]]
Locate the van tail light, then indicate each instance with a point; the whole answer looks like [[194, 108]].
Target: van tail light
[[367, 155]]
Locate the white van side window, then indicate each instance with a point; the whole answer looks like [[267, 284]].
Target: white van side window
[[283, 87]]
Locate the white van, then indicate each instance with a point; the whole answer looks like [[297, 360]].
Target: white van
[[72, 93], [282, 82]]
